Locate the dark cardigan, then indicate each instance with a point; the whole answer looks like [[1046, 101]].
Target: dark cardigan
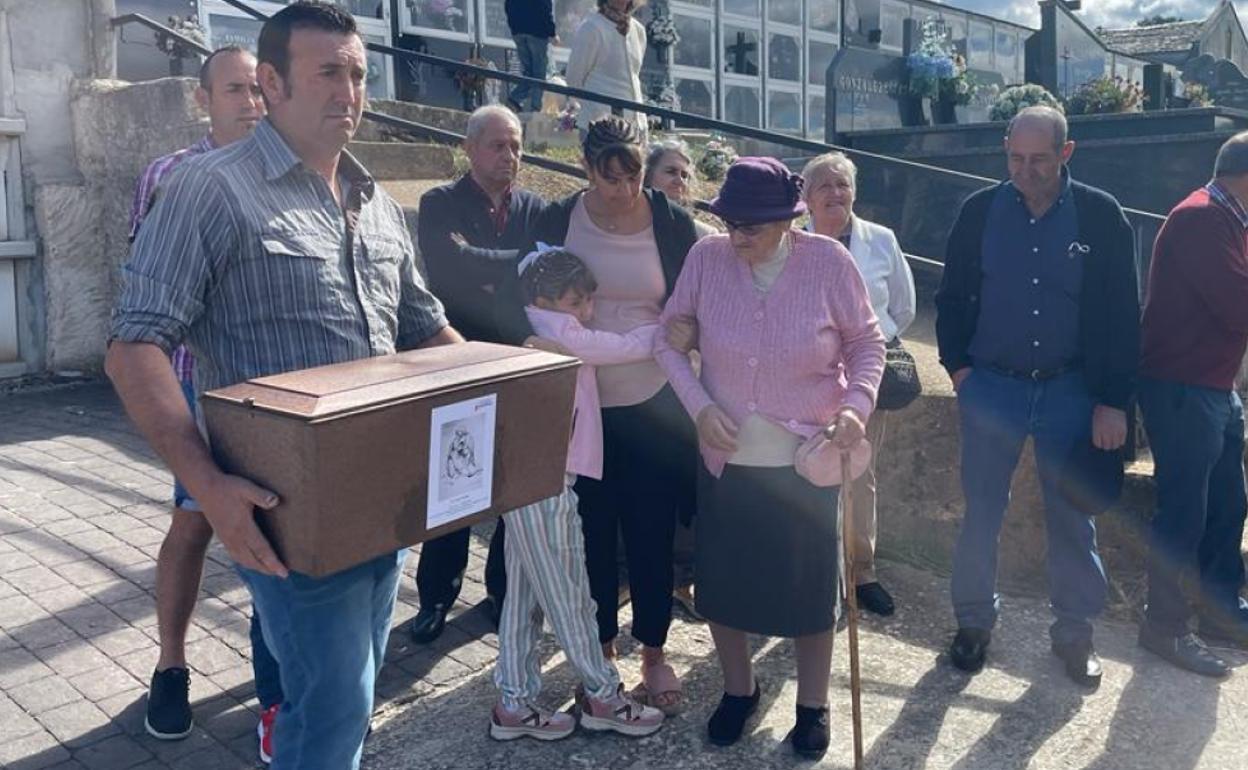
[[1109, 303], [674, 234]]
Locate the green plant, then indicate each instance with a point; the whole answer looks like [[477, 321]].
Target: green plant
[[716, 158], [1016, 98], [1104, 96]]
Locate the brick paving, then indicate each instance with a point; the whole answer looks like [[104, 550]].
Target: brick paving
[[84, 505]]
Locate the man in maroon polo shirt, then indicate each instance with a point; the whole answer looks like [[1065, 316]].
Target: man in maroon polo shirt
[[1194, 335]]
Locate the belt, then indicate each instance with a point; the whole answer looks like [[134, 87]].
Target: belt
[[1034, 375]]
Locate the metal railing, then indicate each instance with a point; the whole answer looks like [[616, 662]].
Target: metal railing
[[886, 167]]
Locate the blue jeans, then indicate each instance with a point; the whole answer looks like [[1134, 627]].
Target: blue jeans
[[1197, 438], [328, 635], [997, 413], [534, 53], [182, 498]]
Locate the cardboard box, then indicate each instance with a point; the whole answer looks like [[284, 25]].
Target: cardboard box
[[350, 447]]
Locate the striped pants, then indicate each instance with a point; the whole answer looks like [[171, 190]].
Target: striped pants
[[546, 574]]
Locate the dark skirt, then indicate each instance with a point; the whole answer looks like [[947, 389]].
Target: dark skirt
[[767, 551]]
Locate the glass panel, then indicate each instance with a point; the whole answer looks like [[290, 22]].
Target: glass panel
[[449, 15], [1007, 58], [696, 42], [1080, 56], [696, 97], [862, 17], [820, 58], [789, 11], [231, 30], [377, 86], [741, 105], [893, 24], [699, 3], [784, 111], [784, 58], [743, 8], [740, 51], [824, 16], [815, 118], [979, 47], [368, 9], [496, 20], [568, 17]]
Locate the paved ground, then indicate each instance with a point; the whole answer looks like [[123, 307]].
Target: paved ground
[[82, 511]]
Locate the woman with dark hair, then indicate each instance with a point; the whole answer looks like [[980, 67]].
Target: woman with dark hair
[[634, 241], [791, 351]]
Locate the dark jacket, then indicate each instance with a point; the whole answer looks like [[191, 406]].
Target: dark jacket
[[1109, 303], [457, 274], [674, 234], [531, 17]]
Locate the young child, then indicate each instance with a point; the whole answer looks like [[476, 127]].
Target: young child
[[545, 549]]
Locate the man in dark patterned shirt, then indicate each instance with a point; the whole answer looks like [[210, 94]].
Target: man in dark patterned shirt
[[275, 254]]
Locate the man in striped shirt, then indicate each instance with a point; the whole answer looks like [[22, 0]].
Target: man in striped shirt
[[275, 254], [230, 96]]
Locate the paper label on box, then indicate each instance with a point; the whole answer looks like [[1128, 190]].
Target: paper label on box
[[461, 459]]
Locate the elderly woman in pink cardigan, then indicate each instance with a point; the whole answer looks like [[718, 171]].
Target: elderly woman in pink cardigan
[[790, 347]]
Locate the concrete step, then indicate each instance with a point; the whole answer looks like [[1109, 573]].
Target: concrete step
[[403, 160]]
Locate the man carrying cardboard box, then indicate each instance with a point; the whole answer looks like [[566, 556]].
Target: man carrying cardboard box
[[275, 254]]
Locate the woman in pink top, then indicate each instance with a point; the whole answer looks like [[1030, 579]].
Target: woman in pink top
[[790, 346], [634, 241]]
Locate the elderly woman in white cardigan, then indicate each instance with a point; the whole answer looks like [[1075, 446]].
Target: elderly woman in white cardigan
[[830, 185], [606, 55]]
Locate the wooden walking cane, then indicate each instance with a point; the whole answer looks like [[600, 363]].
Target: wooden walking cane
[[851, 598]]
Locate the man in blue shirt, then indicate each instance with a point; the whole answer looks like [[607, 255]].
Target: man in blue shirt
[[1038, 327]]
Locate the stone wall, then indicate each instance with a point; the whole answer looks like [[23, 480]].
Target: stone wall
[[46, 48], [117, 129]]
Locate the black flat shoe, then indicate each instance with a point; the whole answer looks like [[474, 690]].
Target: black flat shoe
[[873, 598], [728, 721], [1186, 651], [428, 624], [969, 648], [1082, 663], [810, 735]]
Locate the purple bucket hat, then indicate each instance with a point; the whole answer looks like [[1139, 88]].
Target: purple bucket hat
[[758, 190]]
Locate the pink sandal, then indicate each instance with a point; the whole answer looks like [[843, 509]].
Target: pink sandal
[[659, 682]]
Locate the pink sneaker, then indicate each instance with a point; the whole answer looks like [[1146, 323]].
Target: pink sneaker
[[619, 713], [529, 722], [265, 731]]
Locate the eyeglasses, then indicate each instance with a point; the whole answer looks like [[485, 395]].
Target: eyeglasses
[[748, 230]]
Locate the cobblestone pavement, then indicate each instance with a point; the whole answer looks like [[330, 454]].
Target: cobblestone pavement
[[83, 508]]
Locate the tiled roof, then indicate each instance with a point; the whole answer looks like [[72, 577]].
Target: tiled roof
[[1178, 36]]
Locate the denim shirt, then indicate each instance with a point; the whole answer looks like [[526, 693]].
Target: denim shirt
[[1032, 275]]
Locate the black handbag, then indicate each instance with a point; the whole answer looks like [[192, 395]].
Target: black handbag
[[900, 385]]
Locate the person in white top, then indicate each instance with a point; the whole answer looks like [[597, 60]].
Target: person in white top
[[606, 55], [670, 170], [831, 183]]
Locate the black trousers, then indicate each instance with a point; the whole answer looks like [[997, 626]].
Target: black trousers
[[440, 574], [648, 479]]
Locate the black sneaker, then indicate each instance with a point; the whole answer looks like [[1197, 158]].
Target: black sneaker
[[728, 721], [169, 705]]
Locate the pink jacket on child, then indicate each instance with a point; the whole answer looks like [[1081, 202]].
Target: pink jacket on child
[[594, 348]]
